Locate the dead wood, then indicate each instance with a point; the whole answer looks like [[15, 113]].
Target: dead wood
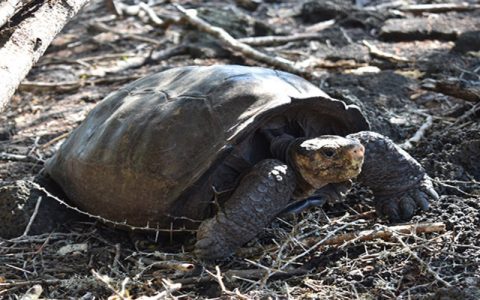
[[99, 26], [368, 235], [275, 40], [443, 27], [69, 86], [142, 10], [439, 7], [7, 9], [251, 274], [455, 87], [408, 144], [374, 51], [29, 40], [230, 42]]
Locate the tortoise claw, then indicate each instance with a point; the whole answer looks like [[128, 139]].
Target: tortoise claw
[[402, 207], [427, 187], [421, 199]]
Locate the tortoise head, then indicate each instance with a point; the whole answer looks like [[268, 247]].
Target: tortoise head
[[327, 159]]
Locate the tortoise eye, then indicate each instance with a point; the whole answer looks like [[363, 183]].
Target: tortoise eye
[[328, 152]]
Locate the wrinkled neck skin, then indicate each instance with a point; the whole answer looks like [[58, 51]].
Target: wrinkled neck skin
[[387, 169], [280, 148]]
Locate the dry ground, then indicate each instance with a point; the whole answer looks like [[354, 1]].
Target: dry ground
[[404, 69]]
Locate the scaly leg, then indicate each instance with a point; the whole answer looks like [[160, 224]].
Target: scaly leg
[[398, 182], [260, 196]]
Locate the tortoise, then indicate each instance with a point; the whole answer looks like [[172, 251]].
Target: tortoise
[[225, 149]]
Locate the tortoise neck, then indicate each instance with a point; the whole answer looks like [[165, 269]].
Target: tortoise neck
[[281, 148]]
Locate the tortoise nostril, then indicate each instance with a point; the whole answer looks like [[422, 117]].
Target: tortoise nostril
[[357, 152]]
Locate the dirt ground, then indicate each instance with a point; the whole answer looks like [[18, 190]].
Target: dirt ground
[[407, 69]]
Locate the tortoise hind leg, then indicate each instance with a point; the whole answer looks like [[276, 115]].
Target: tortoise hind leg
[[260, 196]]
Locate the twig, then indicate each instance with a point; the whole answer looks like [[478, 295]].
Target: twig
[[19, 157], [168, 265], [439, 7], [254, 274], [54, 140], [219, 279], [103, 220], [418, 259], [455, 87], [321, 242], [368, 235], [469, 113], [237, 46], [104, 28], [72, 85], [7, 9], [32, 218], [442, 183], [107, 283], [384, 55], [152, 15], [408, 144], [320, 26], [138, 61], [314, 62], [169, 288], [33, 293], [279, 39], [30, 282], [136, 10]]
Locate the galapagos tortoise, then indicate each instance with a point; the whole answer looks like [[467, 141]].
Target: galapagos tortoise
[[225, 149]]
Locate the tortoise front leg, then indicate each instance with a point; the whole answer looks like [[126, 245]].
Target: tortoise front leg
[[398, 182], [260, 196]]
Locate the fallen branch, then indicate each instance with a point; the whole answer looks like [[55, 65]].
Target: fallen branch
[[439, 7], [408, 144], [7, 9], [468, 114], [330, 235], [252, 274], [54, 140], [385, 234], [384, 55], [230, 42], [68, 86], [455, 87], [99, 26], [138, 61], [279, 39], [320, 26], [29, 40], [19, 157], [106, 280], [168, 265], [314, 62], [32, 217]]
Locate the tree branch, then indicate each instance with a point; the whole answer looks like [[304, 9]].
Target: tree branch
[[7, 9], [28, 41], [230, 42]]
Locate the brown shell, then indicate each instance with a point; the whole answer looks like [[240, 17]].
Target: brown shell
[[142, 146]]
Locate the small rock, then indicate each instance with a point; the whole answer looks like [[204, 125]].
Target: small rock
[[467, 41], [250, 5], [67, 249]]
